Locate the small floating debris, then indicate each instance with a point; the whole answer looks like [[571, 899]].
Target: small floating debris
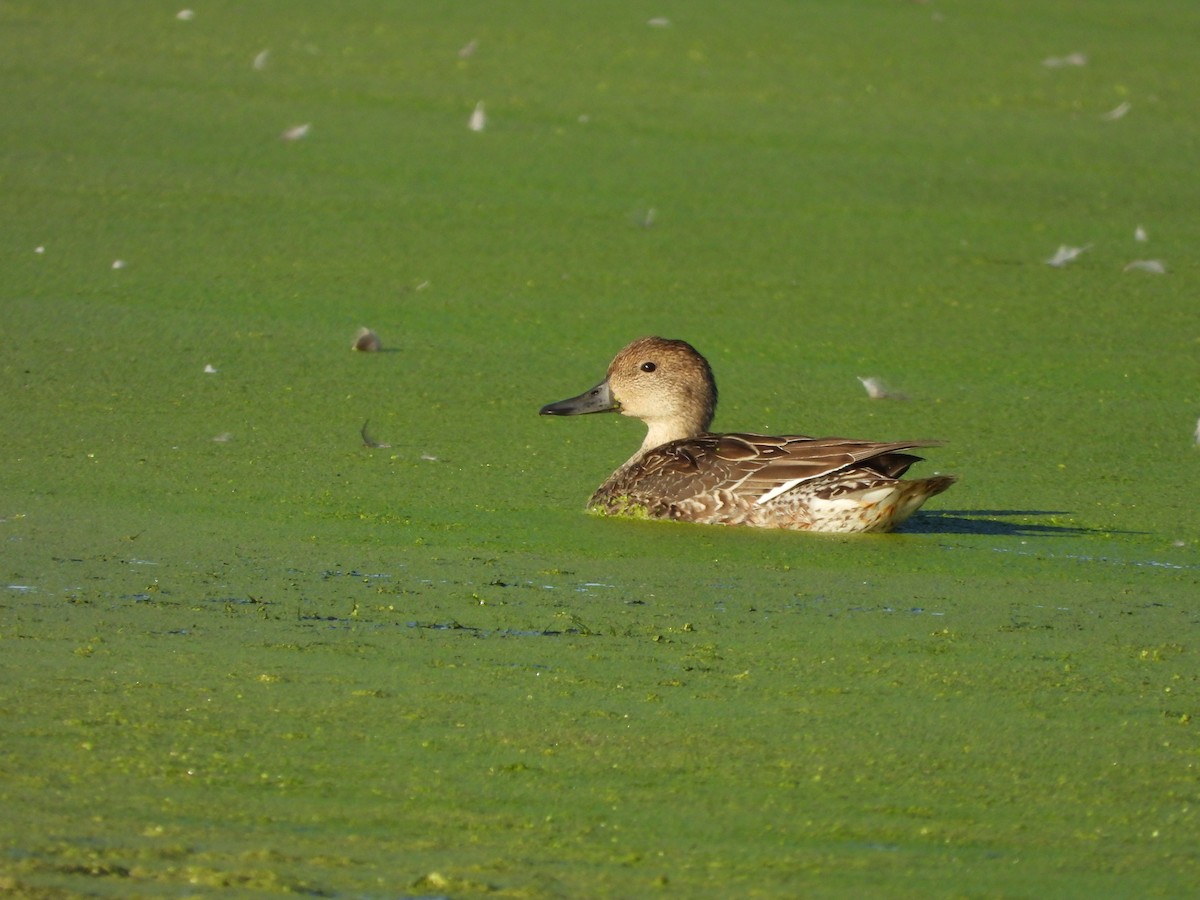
[[224, 437], [1197, 434], [119, 264], [260, 60], [428, 457], [659, 22], [210, 369], [1139, 235], [297, 132], [367, 341], [647, 219], [185, 15], [1060, 62], [1066, 254], [467, 50], [1154, 266], [39, 249], [368, 441], [877, 390], [478, 120], [1117, 112]]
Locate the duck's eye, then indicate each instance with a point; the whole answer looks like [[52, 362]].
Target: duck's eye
[[648, 367]]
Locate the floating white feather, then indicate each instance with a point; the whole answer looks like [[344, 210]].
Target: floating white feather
[[478, 120], [1066, 254]]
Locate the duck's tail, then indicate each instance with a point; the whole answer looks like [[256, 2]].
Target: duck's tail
[[905, 498]]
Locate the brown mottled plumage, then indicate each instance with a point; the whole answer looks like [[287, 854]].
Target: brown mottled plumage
[[684, 472]]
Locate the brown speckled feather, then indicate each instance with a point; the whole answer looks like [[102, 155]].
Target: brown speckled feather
[[758, 479]]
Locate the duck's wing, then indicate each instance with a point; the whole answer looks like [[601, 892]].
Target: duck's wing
[[761, 467]]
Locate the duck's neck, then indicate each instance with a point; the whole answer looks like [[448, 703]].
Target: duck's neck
[[659, 433], [663, 431]]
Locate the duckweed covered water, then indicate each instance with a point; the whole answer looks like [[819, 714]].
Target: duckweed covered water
[[244, 653]]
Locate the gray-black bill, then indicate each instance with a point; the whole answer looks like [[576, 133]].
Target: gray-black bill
[[598, 399]]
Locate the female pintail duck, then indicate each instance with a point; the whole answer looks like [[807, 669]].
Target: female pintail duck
[[682, 471]]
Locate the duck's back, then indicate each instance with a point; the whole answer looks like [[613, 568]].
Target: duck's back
[[799, 482]]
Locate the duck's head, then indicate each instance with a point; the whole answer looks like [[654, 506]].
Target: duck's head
[[665, 383]]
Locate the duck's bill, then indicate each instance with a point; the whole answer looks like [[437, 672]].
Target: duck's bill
[[598, 399]]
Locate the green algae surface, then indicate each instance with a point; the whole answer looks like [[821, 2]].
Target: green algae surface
[[245, 651]]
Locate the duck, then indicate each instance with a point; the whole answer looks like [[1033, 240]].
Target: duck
[[684, 472]]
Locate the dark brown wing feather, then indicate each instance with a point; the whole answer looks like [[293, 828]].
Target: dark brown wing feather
[[753, 464]]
